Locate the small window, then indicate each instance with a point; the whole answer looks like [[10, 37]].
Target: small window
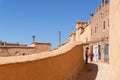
[[95, 29], [104, 25]]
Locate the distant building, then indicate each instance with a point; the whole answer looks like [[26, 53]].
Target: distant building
[[13, 49], [72, 37], [10, 44], [83, 33], [41, 47]]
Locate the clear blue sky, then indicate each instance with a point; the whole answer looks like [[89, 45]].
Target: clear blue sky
[[20, 19]]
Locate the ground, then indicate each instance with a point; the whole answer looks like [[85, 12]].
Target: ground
[[94, 71]]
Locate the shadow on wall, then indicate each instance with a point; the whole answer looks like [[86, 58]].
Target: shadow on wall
[[89, 72]]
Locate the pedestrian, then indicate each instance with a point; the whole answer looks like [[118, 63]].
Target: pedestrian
[[91, 55], [86, 55]]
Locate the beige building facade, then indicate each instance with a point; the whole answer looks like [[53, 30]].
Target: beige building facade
[[114, 72], [100, 32], [95, 33], [72, 37], [99, 23], [82, 31]]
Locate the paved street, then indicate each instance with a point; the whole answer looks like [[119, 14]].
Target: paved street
[[94, 71], [102, 71]]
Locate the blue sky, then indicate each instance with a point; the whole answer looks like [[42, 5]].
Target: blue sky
[[20, 19]]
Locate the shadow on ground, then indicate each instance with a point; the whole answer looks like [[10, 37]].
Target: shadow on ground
[[89, 72]]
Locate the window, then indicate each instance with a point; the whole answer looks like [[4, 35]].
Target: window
[[95, 29], [107, 1], [104, 25]]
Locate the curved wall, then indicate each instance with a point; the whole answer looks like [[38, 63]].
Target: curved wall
[[64, 66]]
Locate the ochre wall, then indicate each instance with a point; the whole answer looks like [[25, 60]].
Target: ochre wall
[[114, 73], [61, 67]]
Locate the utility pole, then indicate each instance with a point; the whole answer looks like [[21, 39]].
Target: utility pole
[[59, 38]]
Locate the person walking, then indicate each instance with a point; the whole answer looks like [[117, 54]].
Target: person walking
[[86, 55], [91, 55]]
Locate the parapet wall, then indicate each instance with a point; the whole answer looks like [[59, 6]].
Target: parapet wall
[[62, 64]]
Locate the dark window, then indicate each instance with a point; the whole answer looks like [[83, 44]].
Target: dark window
[[104, 25]]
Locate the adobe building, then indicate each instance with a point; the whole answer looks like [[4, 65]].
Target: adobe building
[[12, 49], [72, 37], [83, 31], [41, 47], [80, 29], [114, 72], [83, 34], [99, 24], [95, 34], [10, 44]]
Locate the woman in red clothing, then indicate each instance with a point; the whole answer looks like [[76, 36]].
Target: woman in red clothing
[[91, 55]]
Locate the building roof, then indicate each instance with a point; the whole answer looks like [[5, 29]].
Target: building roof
[[11, 44], [41, 43]]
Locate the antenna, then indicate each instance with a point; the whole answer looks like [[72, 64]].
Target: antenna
[[33, 38]]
